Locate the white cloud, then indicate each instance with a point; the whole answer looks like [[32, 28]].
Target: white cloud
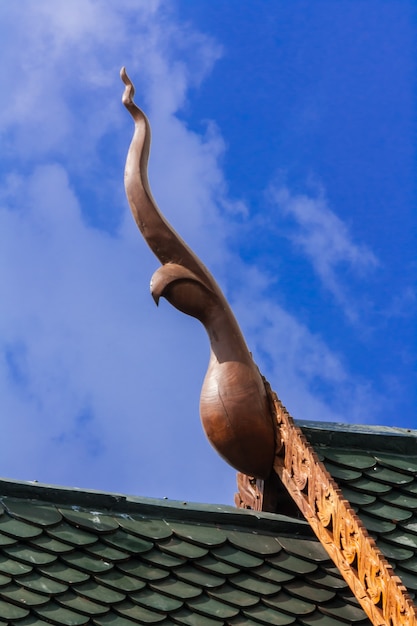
[[99, 389], [326, 241]]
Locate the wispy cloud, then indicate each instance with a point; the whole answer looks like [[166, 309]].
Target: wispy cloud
[[99, 389], [319, 234]]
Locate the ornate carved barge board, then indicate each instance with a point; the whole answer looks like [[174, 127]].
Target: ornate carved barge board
[[243, 419]]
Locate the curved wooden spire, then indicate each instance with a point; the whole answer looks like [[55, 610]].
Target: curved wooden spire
[[234, 406]]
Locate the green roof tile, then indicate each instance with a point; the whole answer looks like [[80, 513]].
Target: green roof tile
[[387, 512], [138, 613], [265, 615], [63, 573], [389, 476], [255, 544], [72, 600], [161, 602], [217, 567], [349, 458], [290, 604], [90, 520], [401, 500], [203, 578], [176, 588], [148, 528], [119, 581], [10, 612], [256, 585], [403, 463], [60, 615], [128, 542], [85, 562], [302, 589], [45, 542], [18, 529], [22, 596], [4, 580], [205, 536], [190, 618], [95, 591], [146, 571], [30, 511], [210, 607], [231, 555], [73, 536], [11, 567], [292, 564], [37, 582], [29, 555], [234, 596], [183, 548]]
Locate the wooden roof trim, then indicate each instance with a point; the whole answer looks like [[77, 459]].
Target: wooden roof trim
[[380, 592]]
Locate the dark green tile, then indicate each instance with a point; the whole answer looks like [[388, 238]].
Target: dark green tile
[[267, 615], [32, 620], [387, 512], [205, 536], [45, 542], [22, 596], [156, 557], [184, 549], [389, 476], [233, 595], [37, 582], [303, 589], [99, 593], [410, 565], [71, 535], [112, 619], [12, 567], [146, 571], [376, 525], [358, 498], [346, 612], [119, 581], [402, 538], [10, 612], [350, 459], [138, 613], [292, 564], [85, 562], [158, 601], [403, 463], [18, 529], [271, 573], [27, 510], [211, 564], [407, 578], [306, 548], [342, 473], [73, 601], [4, 580], [61, 616], [231, 555], [29, 555], [146, 528], [63, 573], [394, 552], [294, 606], [176, 588], [251, 583], [401, 500], [211, 607], [90, 521], [202, 578], [324, 579], [261, 545], [372, 487], [318, 619], [101, 550], [186, 617], [128, 542], [5, 540]]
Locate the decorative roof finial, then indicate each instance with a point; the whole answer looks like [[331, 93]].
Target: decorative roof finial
[[234, 406]]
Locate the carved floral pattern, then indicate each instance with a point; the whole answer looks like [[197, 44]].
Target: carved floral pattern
[[371, 578]]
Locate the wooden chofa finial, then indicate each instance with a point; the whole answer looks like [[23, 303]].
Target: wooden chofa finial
[[234, 406]]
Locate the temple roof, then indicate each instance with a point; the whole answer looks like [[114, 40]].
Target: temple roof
[[79, 557]]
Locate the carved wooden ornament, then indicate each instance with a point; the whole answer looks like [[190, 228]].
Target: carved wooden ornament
[[367, 572], [234, 407]]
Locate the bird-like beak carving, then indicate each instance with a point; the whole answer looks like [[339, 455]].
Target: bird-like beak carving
[[234, 407]]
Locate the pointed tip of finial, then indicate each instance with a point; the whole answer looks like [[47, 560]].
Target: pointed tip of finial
[[129, 91]]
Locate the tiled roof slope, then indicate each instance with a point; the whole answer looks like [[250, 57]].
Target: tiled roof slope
[[73, 558], [376, 469]]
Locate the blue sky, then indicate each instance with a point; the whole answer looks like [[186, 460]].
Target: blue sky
[[283, 152]]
